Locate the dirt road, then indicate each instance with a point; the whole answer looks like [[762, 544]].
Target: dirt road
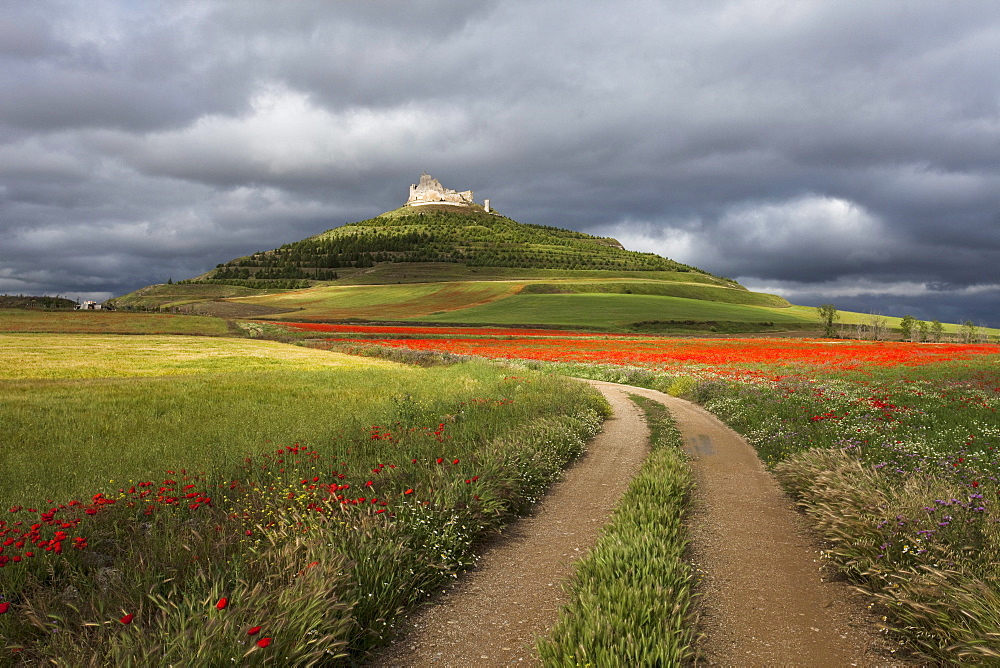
[[765, 598]]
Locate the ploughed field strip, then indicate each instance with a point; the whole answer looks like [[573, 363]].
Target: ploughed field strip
[[766, 598]]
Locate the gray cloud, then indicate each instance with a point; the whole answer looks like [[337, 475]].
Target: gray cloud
[[830, 150]]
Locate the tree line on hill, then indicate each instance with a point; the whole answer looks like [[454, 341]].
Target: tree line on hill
[[32, 302]]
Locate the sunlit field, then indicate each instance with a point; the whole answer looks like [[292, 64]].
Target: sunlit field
[[109, 322], [241, 500]]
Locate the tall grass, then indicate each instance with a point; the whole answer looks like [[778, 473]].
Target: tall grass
[[924, 547], [145, 501], [631, 594]]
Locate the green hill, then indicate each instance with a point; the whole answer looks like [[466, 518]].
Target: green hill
[[461, 264], [465, 236]]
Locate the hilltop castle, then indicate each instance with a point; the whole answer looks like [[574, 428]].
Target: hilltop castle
[[430, 191]]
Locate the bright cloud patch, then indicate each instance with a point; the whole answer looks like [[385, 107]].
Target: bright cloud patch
[[285, 135]]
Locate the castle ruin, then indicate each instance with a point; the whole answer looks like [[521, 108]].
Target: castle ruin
[[430, 191]]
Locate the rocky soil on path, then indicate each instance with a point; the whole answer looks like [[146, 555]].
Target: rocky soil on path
[[766, 596]]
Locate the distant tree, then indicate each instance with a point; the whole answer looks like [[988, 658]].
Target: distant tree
[[970, 333], [925, 330], [170, 281], [828, 316], [877, 324], [937, 330], [906, 326]]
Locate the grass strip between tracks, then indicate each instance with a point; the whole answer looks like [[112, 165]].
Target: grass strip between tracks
[[631, 595]]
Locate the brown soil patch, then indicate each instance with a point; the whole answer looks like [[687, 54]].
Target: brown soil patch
[[233, 309]]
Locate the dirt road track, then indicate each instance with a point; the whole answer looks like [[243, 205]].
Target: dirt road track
[[765, 600]]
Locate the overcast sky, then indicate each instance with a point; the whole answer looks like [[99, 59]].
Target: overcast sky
[[825, 150]]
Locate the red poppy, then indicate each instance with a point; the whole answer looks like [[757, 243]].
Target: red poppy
[[223, 602], [4, 607], [263, 642], [254, 630], [127, 619]]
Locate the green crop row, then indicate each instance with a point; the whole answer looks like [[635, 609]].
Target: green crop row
[[630, 596]]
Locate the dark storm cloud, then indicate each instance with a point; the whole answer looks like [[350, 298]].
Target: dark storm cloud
[[830, 151]]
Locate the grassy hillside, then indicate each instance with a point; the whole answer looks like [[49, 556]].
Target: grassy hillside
[[712, 293], [461, 301], [381, 302], [467, 236], [619, 311]]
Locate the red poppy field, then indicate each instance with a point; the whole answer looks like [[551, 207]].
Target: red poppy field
[[733, 356]]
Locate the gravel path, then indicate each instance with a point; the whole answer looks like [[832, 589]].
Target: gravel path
[[766, 598]]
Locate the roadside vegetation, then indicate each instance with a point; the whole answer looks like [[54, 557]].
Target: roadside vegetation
[[898, 470], [892, 449], [631, 595], [251, 502]]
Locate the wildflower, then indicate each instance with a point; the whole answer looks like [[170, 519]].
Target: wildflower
[[254, 630], [263, 642], [4, 607], [127, 619], [223, 602]]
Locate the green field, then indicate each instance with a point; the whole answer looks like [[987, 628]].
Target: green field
[[611, 311], [714, 293], [109, 322], [423, 272], [81, 410], [384, 302]]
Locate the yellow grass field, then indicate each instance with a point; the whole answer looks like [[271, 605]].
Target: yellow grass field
[[62, 356], [109, 322]]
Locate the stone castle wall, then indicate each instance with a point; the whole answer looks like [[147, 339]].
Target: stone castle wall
[[430, 191]]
